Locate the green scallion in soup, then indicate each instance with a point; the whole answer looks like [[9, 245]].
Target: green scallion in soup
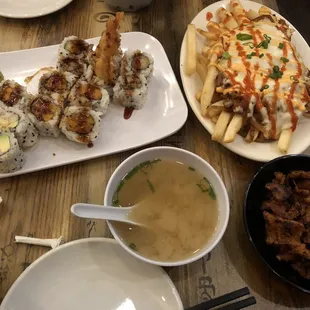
[[176, 204]]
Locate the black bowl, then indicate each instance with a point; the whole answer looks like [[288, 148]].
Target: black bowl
[[254, 221]]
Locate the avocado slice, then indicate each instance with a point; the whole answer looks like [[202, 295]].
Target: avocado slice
[[4, 144], [10, 121]]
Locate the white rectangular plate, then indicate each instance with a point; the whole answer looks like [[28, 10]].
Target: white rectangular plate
[[164, 113]]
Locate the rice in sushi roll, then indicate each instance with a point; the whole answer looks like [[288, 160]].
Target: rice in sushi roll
[[11, 155], [138, 63], [14, 120], [89, 95], [73, 46], [57, 84], [13, 94], [80, 125], [45, 113], [75, 66], [131, 91]]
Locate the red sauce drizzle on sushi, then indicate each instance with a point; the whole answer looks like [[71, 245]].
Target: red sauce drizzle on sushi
[[128, 112]]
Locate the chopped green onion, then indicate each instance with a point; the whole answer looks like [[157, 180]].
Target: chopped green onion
[[264, 87], [1, 77], [276, 73], [264, 43], [285, 60], [250, 44], [244, 36], [133, 246], [280, 46], [261, 55], [226, 55], [150, 186], [191, 168], [249, 56]]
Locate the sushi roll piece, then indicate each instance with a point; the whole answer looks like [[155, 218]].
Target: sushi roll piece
[[14, 120], [80, 125], [75, 66], [73, 46], [138, 63], [57, 84], [89, 95], [11, 155], [13, 94], [131, 91], [45, 113]]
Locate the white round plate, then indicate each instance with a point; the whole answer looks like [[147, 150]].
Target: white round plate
[[94, 274], [192, 84], [30, 8]]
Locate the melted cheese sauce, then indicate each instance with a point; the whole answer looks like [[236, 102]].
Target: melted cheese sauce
[[278, 102]]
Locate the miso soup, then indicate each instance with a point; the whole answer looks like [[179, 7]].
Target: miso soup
[[177, 205]]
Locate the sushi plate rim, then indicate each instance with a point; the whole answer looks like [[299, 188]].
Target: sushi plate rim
[[176, 90]]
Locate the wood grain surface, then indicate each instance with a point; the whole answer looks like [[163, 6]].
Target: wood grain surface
[[38, 204]]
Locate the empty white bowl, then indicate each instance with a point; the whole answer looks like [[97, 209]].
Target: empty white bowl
[[191, 160]]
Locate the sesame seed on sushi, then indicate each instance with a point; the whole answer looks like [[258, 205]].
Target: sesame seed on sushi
[[131, 91], [45, 113], [14, 120], [13, 94], [11, 155], [89, 95], [80, 124]]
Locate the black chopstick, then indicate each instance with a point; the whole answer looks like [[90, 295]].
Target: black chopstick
[[221, 300], [240, 304]]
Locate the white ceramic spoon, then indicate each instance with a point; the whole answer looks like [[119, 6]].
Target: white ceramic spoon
[[86, 210]]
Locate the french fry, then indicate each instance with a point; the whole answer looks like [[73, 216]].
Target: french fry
[[264, 11], [238, 12], [206, 51], [202, 70], [191, 49], [215, 118], [221, 126], [208, 35], [251, 14], [226, 18], [211, 43], [285, 140], [233, 128], [209, 85], [198, 95], [252, 134], [203, 59], [214, 27], [215, 109]]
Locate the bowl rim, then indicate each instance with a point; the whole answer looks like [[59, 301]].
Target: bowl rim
[[226, 207], [263, 167]]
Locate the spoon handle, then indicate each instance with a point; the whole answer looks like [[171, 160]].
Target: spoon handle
[[86, 210]]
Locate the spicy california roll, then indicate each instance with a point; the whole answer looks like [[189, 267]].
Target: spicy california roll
[[89, 95], [80, 124], [16, 121], [13, 94], [45, 113], [11, 155]]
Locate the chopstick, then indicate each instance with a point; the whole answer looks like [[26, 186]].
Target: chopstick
[[226, 298]]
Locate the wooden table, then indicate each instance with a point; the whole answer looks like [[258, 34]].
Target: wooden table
[[38, 204]]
